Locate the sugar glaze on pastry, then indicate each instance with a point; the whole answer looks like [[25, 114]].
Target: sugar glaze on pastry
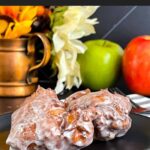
[[43, 122]]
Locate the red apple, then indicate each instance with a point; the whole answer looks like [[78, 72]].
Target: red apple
[[136, 65]]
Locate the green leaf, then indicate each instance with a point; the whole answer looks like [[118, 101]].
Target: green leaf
[[57, 16]]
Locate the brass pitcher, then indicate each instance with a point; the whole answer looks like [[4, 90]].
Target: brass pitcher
[[18, 71]]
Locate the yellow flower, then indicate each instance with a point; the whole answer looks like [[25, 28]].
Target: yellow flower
[[18, 29], [11, 11], [28, 13], [22, 18]]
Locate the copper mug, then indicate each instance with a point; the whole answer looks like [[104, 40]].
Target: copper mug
[[18, 68]]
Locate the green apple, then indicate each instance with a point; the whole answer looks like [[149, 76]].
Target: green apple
[[100, 64]]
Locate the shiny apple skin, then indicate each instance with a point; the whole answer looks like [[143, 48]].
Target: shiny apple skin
[[100, 64], [136, 65]]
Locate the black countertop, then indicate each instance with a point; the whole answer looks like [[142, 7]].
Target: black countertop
[[7, 106]]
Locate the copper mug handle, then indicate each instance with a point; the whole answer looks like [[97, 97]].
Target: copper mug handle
[[31, 49]]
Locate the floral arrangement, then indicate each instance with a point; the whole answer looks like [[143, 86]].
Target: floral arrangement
[[69, 25], [66, 25]]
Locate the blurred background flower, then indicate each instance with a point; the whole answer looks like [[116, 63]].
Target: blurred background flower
[[17, 21]]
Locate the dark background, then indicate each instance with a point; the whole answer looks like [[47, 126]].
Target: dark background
[[121, 23], [116, 23]]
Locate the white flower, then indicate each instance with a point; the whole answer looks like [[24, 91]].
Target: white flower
[[76, 24]]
